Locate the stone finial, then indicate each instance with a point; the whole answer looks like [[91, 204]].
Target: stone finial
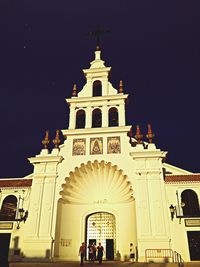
[[45, 141], [150, 134], [121, 86], [97, 48], [57, 141], [138, 135], [74, 91]]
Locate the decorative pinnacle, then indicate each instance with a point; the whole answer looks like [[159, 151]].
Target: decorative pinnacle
[[74, 91], [56, 141], [45, 141], [138, 135], [150, 134], [121, 86]]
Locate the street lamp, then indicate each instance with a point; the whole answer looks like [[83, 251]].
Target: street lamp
[[23, 215], [172, 211]]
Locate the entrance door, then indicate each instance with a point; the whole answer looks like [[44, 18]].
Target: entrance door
[[91, 241], [101, 228], [110, 249], [4, 249], [194, 245]]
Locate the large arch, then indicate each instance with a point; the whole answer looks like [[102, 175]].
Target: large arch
[[100, 188], [97, 182]]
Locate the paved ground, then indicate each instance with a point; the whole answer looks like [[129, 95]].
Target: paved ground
[[96, 264], [104, 264], [71, 264]]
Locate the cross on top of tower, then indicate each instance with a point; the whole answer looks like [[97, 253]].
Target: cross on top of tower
[[97, 33]]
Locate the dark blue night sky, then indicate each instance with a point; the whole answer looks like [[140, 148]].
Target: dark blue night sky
[[153, 46]]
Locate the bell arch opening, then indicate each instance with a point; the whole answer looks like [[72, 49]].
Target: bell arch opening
[[97, 88], [101, 228]]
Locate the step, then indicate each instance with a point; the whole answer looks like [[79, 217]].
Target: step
[[87, 264]]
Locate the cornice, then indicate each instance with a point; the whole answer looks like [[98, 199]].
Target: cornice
[[148, 154], [96, 99], [102, 130], [45, 159]]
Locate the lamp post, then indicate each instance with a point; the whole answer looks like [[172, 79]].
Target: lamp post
[[23, 216], [172, 211]]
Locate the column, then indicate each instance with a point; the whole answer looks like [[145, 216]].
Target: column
[[72, 117], [121, 114], [88, 122], [104, 116]]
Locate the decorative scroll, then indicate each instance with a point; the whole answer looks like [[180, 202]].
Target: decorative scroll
[[96, 146], [114, 146], [79, 147]]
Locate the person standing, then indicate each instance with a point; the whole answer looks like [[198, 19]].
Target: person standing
[[90, 252], [100, 251], [82, 252], [94, 251]]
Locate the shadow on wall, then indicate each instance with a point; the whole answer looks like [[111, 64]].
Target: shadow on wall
[[15, 252]]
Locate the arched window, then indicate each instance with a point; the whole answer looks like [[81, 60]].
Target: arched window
[[97, 88], [113, 117], [190, 203], [80, 119], [96, 118], [8, 208]]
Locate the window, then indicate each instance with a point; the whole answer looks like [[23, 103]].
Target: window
[[113, 117], [80, 119], [8, 208], [191, 204], [96, 118], [97, 88]]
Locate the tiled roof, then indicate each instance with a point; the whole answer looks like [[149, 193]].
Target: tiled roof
[[182, 178], [16, 183]]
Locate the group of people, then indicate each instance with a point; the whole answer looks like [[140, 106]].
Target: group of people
[[94, 253]]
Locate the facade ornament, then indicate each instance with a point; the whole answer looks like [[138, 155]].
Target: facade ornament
[[150, 134], [138, 135], [121, 87], [97, 33], [45, 141], [74, 91], [57, 141]]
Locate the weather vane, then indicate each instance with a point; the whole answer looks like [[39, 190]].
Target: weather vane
[[97, 34]]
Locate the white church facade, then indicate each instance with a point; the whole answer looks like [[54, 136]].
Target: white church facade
[[101, 185]]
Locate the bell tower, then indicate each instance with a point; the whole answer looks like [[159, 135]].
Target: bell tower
[[98, 104]]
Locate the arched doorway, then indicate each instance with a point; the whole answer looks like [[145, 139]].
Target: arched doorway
[[101, 228]]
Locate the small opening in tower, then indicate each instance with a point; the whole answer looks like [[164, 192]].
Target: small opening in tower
[[97, 88], [96, 118], [113, 117], [80, 119]]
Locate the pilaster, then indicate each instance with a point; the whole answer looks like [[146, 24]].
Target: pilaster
[[151, 212], [39, 230]]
